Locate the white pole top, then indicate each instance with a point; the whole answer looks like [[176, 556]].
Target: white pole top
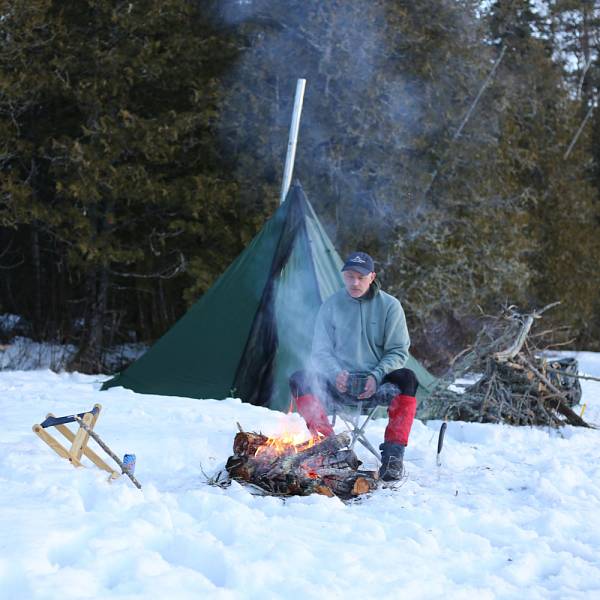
[[293, 138]]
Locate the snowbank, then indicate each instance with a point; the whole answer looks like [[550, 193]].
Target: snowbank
[[23, 353], [511, 513]]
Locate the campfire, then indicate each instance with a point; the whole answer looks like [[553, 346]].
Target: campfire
[[289, 465], [286, 444]]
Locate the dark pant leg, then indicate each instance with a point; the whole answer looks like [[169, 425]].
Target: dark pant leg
[[310, 382], [301, 383], [405, 379], [398, 382]]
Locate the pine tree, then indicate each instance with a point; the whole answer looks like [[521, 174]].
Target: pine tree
[[542, 114], [107, 117]]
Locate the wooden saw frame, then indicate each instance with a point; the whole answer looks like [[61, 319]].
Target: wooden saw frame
[[78, 439]]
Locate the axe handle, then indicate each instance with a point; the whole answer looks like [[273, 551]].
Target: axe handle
[[441, 437]]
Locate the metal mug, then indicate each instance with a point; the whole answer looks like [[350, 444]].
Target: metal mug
[[356, 383]]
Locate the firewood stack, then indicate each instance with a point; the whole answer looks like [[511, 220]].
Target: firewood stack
[[516, 381], [328, 467]]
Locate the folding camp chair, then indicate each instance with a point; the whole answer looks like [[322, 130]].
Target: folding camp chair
[[350, 412], [79, 439]]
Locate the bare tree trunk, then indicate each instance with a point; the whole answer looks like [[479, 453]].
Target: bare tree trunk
[[6, 271], [586, 96], [143, 323], [99, 312], [37, 274], [162, 306], [89, 356]]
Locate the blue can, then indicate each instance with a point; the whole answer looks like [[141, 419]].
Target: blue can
[[129, 463]]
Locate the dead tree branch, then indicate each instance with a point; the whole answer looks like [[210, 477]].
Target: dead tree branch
[[512, 380]]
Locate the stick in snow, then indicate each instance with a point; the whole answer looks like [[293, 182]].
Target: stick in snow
[[108, 451], [440, 445]]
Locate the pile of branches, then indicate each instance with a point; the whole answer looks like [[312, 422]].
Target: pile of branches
[[515, 380]]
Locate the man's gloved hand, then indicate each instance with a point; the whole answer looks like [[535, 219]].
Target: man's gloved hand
[[370, 388], [341, 381]]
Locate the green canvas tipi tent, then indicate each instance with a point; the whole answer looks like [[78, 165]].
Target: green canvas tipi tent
[[253, 328]]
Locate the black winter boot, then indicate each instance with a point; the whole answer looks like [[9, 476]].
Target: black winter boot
[[392, 455]]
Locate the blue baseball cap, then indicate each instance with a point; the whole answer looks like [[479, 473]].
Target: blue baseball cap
[[360, 262]]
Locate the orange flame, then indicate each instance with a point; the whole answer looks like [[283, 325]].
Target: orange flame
[[287, 443], [294, 438]]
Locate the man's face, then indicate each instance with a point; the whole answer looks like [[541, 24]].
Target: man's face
[[356, 283]]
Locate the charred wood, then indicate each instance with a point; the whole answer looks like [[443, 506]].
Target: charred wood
[[328, 467]]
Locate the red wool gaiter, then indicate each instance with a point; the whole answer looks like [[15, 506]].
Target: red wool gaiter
[[402, 414], [314, 414]]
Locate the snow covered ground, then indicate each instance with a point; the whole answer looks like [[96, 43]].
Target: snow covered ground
[[511, 513], [24, 353]]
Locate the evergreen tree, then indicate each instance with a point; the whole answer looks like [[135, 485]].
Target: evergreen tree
[[143, 140], [107, 113], [539, 121]]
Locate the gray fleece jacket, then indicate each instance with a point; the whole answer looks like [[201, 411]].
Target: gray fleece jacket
[[360, 334]]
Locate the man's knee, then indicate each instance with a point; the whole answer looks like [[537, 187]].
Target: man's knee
[[405, 379], [299, 383]]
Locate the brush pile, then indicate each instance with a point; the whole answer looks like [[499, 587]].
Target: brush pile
[[515, 380]]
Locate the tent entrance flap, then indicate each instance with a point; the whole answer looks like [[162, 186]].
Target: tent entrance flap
[[291, 272]]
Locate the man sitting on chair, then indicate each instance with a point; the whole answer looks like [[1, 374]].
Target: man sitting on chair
[[361, 329]]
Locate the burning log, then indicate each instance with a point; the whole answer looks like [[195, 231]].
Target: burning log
[[323, 466]]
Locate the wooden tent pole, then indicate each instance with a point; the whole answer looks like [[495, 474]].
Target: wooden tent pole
[[293, 138]]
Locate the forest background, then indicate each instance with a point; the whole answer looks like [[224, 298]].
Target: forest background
[[142, 147]]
